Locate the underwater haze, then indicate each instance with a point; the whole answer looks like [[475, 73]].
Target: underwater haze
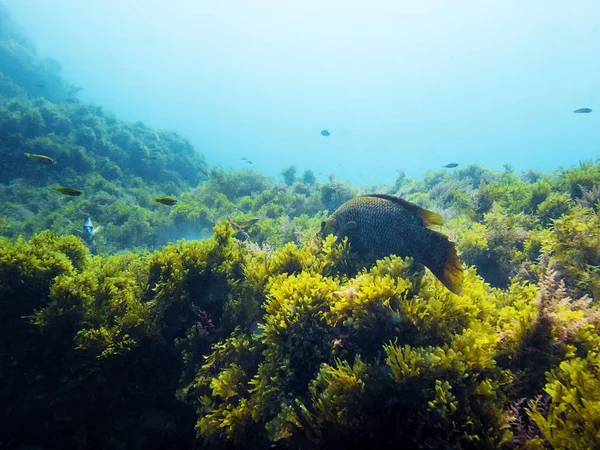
[[299, 225], [408, 85]]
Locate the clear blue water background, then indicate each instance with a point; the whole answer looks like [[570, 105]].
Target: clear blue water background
[[402, 85]]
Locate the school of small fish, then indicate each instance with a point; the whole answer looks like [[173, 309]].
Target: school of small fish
[[377, 223]]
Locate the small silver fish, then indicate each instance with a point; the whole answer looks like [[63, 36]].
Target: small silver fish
[[89, 230]]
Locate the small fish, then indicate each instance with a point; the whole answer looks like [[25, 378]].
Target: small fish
[[204, 172], [42, 159], [245, 225], [68, 191], [40, 85], [451, 166], [325, 132], [244, 159], [150, 158], [165, 200], [89, 230], [249, 162], [583, 111], [378, 225]]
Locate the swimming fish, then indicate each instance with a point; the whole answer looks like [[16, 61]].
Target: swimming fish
[[165, 200], [451, 166], [245, 225], [150, 158], [244, 158], [248, 161], [202, 171], [583, 111], [89, 230], [378, 225], [40, 158], [325, 132], [68, 191]]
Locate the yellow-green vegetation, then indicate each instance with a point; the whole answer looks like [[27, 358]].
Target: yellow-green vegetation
[[575, 245], [295, 347], [249, 332]]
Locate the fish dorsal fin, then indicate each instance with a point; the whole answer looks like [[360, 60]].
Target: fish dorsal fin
[[429, 217]]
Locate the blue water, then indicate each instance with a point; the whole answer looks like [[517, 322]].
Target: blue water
[[408, 85]]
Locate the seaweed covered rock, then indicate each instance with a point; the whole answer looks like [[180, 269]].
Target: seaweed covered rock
[[379, 359], [297, 347], [79, 347]]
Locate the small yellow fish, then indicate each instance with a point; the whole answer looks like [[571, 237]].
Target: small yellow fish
[[68, 191], [165, 200], [40, 158], [245, 225]]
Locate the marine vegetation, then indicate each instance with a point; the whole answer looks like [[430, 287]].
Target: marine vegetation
[[226, 321], [294, 347]]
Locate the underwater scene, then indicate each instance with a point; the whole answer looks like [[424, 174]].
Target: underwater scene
[[299, 225]]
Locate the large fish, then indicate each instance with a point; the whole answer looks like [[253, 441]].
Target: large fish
[[378, 225]]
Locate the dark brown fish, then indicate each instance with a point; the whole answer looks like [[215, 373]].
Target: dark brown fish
[[68, 191], [451, 166], [165, 200], [378, 225], [583, 111], [42, 159]]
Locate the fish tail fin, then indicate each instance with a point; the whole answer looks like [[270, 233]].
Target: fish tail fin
[[446, 266]]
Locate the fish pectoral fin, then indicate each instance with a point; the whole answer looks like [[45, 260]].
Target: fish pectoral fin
[[348, 229], [97, 229]]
